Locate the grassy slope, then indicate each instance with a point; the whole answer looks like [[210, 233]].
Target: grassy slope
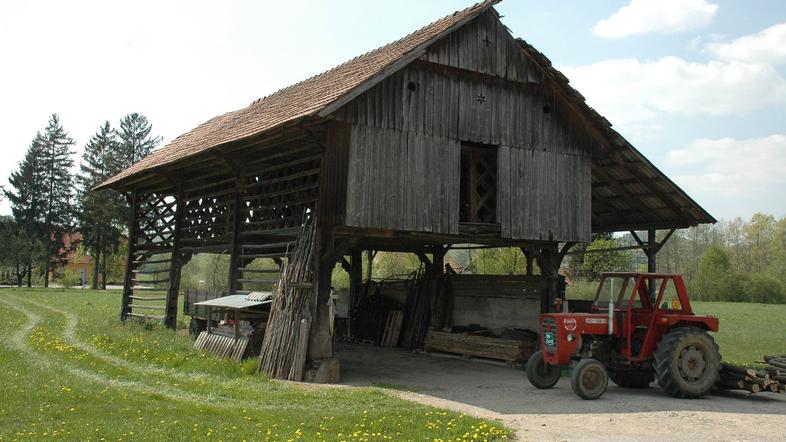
[[71, 370]]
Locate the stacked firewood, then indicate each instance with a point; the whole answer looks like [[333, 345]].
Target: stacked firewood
[[771, 378]]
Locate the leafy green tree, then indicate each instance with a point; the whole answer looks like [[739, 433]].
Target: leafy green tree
[[98, 210], [498, 261], [599, 262], [19, 249], [58, 189]]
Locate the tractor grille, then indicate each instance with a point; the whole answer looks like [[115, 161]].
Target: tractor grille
[[549, 334]]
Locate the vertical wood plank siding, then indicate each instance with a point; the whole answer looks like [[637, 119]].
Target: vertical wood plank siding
[[477, 86], [407, 184]]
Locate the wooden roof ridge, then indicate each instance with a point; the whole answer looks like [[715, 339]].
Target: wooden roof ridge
[[317, 96], [602, 126]]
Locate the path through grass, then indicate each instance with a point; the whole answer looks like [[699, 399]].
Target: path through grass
[[71, 370]]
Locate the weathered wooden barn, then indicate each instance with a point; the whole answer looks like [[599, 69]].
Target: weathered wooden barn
[[458, 133]]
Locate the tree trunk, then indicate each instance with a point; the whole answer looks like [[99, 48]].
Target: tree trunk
[[46, 274], [29, 275], [97, 264]]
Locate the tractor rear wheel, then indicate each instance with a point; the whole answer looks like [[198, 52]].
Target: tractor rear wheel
[[632, 379], [589, 379], [687, 363], [541, 374]]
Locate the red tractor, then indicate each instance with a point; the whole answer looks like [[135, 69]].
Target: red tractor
[[640, 327]]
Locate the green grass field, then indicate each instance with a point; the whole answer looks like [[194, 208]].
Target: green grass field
[[70, 370], [747, 331]]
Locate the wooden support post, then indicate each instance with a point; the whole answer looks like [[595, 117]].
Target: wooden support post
[[530, 262], [237, 324], [355, 285], [170, 315], [132, 240], [549, 261], [652, 252], [234, 257], [320, 344], [370, 254]]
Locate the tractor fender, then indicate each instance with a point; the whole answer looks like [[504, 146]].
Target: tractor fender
[[709, 323]]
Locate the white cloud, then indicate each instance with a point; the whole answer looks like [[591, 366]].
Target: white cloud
[[731, 176], [767, 46], [633, 94], [658, 16]]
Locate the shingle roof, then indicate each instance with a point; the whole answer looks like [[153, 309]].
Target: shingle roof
[[303, 99]]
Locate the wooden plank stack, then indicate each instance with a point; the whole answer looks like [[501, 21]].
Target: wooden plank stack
[[772, 378], [508, 350]]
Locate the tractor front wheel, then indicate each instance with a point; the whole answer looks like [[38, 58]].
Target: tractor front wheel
[[541, 374], [589, 379], [687, 363]]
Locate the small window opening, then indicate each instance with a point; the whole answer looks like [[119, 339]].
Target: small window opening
[[546, 109], [412, 86], [478, 194]]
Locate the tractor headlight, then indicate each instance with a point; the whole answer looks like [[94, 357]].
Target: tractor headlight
[[571, 337]]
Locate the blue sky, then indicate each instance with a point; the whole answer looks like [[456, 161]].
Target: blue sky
[[697, 85]]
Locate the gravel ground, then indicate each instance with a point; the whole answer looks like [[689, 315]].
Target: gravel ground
[[499, 392]]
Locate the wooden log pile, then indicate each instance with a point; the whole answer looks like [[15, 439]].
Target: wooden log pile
[[508, 350], [771, 378], [285, 344]]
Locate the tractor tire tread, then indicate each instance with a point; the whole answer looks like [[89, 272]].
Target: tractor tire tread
[[664, 371]]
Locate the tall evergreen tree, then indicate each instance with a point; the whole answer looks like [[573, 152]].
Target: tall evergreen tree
[[135, 140], [98, 210], [26, 195], [56, 161], [134, 143]]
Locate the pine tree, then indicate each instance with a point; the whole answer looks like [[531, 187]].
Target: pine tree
[[98, 210], [26, 196], [56, 162], [134, 143], [135, 140]]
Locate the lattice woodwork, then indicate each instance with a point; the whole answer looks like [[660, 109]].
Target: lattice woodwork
[[478, 184]]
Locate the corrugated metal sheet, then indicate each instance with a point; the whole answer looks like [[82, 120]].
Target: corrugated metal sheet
[[233, 301]]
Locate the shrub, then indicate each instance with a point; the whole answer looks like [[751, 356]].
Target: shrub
[[70, 279]]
